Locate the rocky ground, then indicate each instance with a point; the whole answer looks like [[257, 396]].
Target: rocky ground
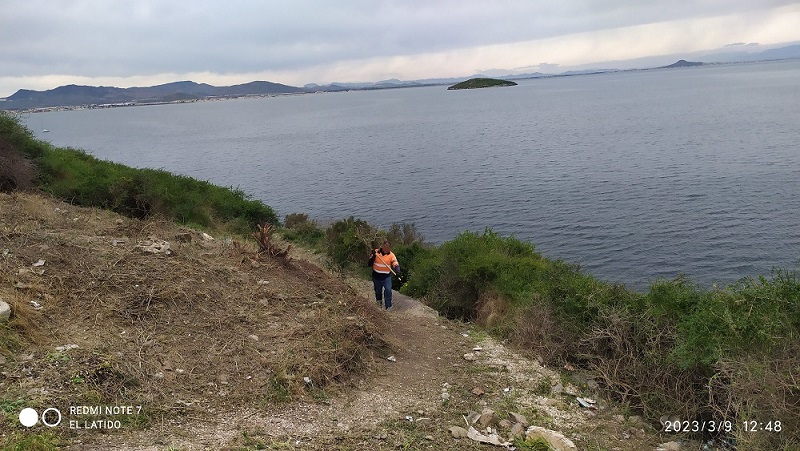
[[227, 350]]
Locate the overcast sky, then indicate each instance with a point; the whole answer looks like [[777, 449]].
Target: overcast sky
[[45, 43]]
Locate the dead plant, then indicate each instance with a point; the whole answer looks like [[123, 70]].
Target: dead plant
[[266, 245]]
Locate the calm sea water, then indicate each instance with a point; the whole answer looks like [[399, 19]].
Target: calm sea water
[[632, 175]]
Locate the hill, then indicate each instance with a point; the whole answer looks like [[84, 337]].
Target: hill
[[75, 95], [223, 349], [682, 63], [475, 83]]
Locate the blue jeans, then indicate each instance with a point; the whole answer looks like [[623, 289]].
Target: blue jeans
[[383, 290]]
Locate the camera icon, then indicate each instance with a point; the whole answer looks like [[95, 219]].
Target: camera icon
[[51, 417]]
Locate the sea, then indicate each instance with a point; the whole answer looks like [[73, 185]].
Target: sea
[[635, 176]]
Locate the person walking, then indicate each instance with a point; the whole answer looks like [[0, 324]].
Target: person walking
[[384, 264]]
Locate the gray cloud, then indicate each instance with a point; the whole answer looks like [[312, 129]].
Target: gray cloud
[[95, 38]]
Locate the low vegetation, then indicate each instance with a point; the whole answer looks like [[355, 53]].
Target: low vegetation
[[677, 349], [722, 354], [82, 179]]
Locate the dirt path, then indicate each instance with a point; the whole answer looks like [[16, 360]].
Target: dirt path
[[441, 372]]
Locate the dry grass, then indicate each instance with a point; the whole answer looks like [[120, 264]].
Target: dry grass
[[16, 171], [762, 389], [212, 325]]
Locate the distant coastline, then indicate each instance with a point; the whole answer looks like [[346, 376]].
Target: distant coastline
[[74, 97]]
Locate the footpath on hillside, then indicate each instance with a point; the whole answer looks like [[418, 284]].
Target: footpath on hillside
[[439, 375]]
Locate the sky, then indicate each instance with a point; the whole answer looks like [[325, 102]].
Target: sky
[[46, 43]]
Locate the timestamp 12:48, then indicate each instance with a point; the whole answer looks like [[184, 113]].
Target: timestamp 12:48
[[722, 426]]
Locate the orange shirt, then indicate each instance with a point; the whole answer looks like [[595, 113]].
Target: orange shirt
[[381, 266]]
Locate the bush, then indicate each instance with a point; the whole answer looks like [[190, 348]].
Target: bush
[[349, 241], [404, 234], [85, 180], [454, 277], [676, 349], [20, 137], [300, 229], [16, 171]]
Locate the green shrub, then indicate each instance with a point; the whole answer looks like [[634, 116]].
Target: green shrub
[[85, 180], [404, 234], [348, 242], [298, 228], [20, 137], [455, 275]]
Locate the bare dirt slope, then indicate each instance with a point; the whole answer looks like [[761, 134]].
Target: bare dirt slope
[[225, 350]]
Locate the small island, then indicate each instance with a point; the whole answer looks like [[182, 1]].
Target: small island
[[682, 63], [474, 83]]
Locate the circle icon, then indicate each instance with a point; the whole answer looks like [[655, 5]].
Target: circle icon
[[28, 417], [45, 417]]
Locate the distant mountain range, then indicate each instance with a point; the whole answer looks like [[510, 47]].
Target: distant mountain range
[[74, 95]]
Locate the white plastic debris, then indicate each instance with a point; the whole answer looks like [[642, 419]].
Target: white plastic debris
[[39, 263], [586, 402], [391, 358], [307, 380]]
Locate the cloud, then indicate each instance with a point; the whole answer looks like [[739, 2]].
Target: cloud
[[310, 41]]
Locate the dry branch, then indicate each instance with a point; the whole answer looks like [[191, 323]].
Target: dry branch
[[263, 235]]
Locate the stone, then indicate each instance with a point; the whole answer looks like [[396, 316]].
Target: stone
[[488, 418], [505, 424], [491, 438], [5, 311], [458, 432], [477, 391], [556, 439], [669, 446], [557, 389], [469, 357], [518, 418], [154, 247], [517, 430]]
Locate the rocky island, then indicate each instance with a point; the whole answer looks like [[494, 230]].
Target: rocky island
[[474, 83]]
